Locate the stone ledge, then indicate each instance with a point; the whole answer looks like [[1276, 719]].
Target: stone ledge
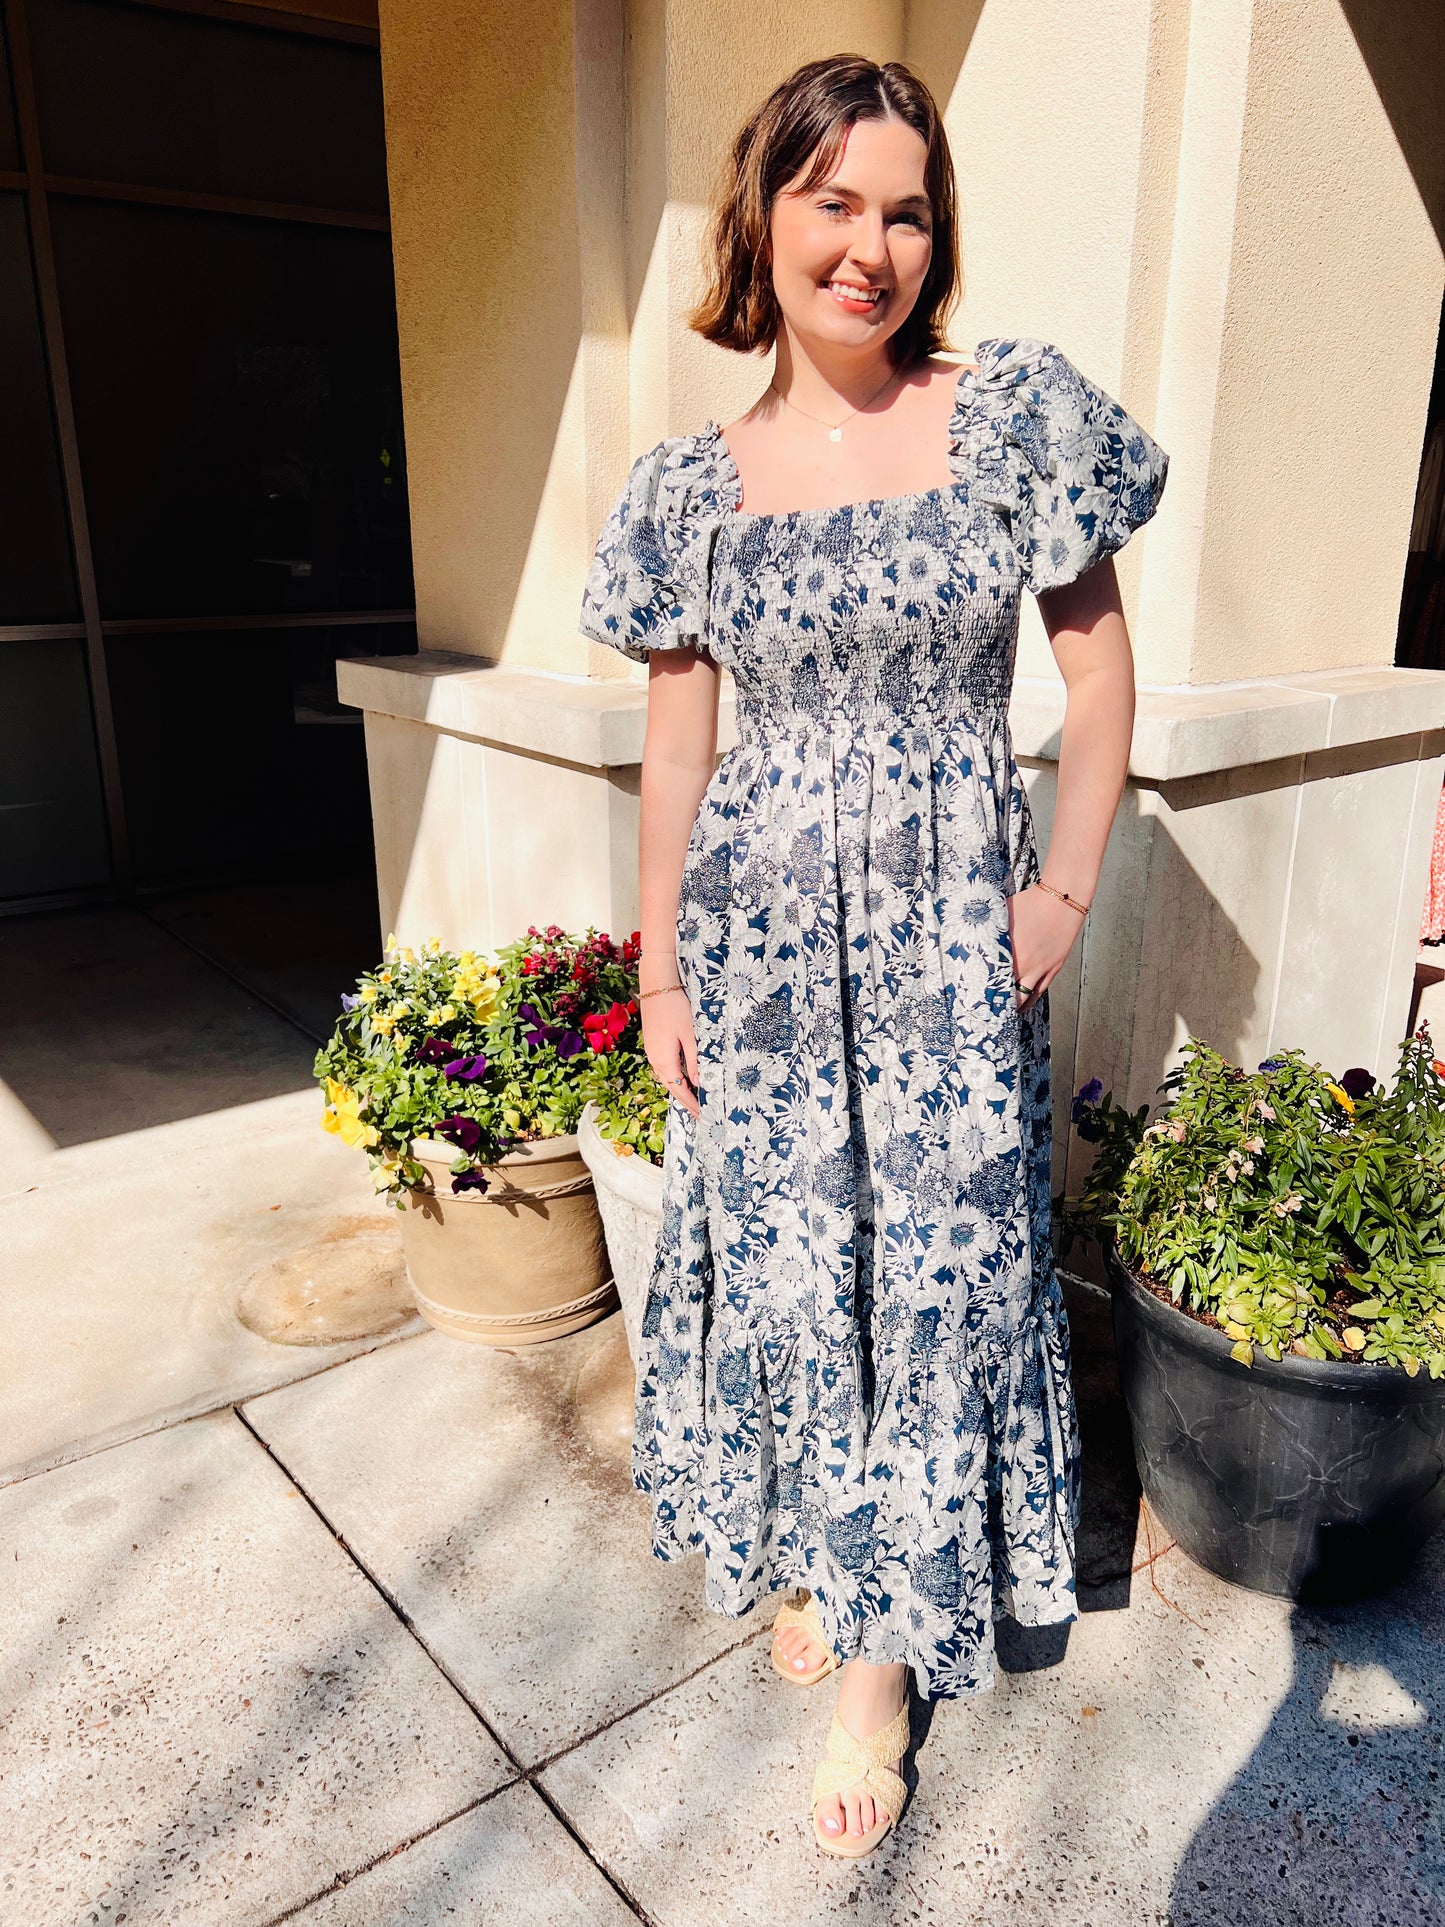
[[1179, 730]]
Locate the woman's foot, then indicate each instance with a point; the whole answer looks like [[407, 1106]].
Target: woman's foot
[[868, 1699]]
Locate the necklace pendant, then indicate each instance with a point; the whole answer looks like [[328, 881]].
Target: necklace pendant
[[835, 434]]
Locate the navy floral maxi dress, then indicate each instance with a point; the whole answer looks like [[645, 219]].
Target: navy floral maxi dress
[[855, 1355]]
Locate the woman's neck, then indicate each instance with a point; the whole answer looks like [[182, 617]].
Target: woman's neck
[[828, 381]]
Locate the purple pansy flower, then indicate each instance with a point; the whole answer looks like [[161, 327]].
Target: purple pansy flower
[[568, 1040], [436, 1050], [1358, 1082], [349, 1002], [469, 1181], [1087, 1096], [466, 1069], [464, 1132]]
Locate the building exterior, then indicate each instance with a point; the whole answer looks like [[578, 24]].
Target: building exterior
[[1229, 214]]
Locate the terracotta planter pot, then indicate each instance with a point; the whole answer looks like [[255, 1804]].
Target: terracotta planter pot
[[522, 1261], [629, 1196]]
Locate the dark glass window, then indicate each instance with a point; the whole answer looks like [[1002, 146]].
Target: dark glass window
[[236, 754], [52, 821], [238, 408], [9, 144], [36, 581], [161, 99]]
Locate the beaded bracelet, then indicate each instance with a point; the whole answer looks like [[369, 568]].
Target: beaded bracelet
[[660, 989], [1064, 897]]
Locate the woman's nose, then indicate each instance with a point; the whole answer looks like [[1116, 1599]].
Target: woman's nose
[[870, 241]]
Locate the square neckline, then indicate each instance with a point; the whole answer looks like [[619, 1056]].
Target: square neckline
[[713, 429]]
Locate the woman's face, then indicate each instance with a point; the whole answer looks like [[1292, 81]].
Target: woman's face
[[867, 229]]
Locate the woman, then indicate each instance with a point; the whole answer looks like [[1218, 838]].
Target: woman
[[856, 1360]]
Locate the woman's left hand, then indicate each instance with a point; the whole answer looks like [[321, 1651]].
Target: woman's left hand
[[1042, 931]]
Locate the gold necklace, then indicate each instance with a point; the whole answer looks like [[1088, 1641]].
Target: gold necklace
[[835, 429]]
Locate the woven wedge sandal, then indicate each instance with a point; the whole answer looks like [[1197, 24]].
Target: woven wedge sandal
[[869, 1764], [805, 1616]]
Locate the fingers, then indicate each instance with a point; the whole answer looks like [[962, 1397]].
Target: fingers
[[1035, 990]]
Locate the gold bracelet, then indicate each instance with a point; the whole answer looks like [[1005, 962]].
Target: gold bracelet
[[1064, 897], [659, 991]]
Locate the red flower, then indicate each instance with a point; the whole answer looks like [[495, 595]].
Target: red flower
[[1437, 1067]]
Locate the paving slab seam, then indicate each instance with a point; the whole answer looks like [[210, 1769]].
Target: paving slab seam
[[685, 1679], [404, 1619], [232, 1404], [529, 1775], [618, 1886], [278, 1010], [344, 1880]]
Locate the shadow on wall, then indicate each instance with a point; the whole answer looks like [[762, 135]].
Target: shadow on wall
[[1127, 996]]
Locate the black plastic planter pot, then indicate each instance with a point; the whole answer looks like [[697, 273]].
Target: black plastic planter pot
[[1313, 1481]]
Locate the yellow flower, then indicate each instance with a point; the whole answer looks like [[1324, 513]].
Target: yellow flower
[[343, 1116], [384, 1024], [443, 1014], [432, 946], [383, 977], [1341, 1096], [368, 996], [400, 1009]]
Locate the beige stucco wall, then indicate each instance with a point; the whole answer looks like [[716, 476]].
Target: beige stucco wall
[[1228, 214], [482, 164]]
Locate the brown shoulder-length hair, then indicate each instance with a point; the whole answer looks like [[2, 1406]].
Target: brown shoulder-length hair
[[809, 115]]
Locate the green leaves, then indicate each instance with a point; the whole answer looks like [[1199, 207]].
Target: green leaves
[[481, 1052], [1298, 1213]]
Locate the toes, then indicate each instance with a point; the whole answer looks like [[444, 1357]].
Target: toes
[[798, 1649], [852, 1804], [830, 1815]]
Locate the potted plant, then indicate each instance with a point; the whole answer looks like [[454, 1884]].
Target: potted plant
[[462, 1079], [621, 1135], [1275, 1246]]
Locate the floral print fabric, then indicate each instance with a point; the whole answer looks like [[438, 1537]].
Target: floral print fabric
[[855, 1369]]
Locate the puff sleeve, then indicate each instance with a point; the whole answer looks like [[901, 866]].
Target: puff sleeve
[[647, 587], [1071, 470]]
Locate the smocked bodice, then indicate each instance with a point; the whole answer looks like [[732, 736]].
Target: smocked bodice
[[884, 613]]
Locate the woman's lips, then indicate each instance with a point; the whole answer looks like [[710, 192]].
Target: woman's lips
[[854, 299]]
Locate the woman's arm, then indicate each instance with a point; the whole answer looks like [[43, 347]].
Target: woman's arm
[[679, 755], [1085, 624]]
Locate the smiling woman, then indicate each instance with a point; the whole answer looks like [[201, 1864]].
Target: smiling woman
[[854, 1358]]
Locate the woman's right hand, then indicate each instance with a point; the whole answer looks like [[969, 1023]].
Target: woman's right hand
[[670, 1044]]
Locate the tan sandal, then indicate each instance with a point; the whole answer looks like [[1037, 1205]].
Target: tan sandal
[[805, 1616], [869, 1764]]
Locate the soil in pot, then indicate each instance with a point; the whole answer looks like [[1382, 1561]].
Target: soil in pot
[[1309, 1480]]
